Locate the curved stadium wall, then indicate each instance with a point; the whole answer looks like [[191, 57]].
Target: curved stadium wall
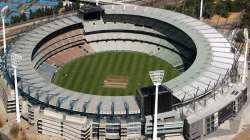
[[201, 54]]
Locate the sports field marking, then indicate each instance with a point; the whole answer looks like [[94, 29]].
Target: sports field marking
[[115, 81], [111, 73]]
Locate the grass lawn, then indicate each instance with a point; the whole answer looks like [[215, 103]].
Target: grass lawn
[[87, 74]]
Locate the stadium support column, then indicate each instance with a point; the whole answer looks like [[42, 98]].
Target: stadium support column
[[201, 10], [3, 13], [244, 75], [156, 77], [15, 59]]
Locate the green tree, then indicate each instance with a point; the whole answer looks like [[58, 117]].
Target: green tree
[[15, 19], [31, 15], [209, 8], [246, 15], [222, 9], [246, 19], [244, 3], [76, 5], [193, 8], [236, 6], [39, 12], [23, 17], [60, 4]]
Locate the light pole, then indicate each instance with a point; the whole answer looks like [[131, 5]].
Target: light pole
[[97, 2], [15, 59], [201, 10], [245, 58], [3, 13], [156, 77]]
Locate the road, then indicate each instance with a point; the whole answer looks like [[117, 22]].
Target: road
[[12, 31]]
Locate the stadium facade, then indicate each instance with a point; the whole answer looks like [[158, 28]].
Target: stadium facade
[[207, 91]]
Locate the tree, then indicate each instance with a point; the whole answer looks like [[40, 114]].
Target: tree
[[246, 16], [244, 3], [236, 6], [76, 5], [60, 4], [246, 19], [39, 13], [15, 19], [209, 8], [31, 15], [23, 17]]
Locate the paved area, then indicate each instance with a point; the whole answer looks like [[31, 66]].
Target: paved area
[[3, 116], [236, 125], [26, 131], [8, 121], [3, 113]]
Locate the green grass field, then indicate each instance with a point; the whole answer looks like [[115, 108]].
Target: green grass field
[[87, 74]]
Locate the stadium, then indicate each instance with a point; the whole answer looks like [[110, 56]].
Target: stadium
[[94, 63]]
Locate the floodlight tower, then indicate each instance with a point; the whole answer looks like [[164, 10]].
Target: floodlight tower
[[15, 59], [3, 13], [245, 58], [156, 77], [97, 2], [201, 10]]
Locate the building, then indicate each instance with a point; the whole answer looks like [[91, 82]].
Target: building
[[53, 123], [211, 116], [168, 123], [146, 98], [201, 54]]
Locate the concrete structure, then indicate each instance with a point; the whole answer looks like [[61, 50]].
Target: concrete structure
[[198, 51], [53, 123], [213, 53], [124, 130], [8, 99], [169, 123], [207, 120]]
